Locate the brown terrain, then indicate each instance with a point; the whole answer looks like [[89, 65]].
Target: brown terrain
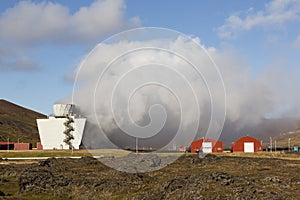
[[190, 177], [17, 122]]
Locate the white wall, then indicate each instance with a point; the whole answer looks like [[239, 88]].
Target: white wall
[[52, 132], [249, 147], [206, 147]]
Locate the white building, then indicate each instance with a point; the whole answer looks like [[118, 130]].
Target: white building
[[63, 130]]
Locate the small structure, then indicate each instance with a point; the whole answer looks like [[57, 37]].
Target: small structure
[[182, 149], [22, 146], [206, 145], [7, 145], [247, 144], [39, 146]]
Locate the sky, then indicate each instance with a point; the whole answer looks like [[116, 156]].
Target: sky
[[42, 42]]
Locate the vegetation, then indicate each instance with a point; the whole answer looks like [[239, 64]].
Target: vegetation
[[62, 153], [43, 153], [213, 177]]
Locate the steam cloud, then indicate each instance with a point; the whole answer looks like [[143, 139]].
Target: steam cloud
[[249, 100]]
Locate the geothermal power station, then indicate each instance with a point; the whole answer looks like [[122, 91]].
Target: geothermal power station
[[65, 127], [62, 130]]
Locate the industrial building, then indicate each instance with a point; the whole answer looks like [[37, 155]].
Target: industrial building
[[15, 146], [206, 145], [7, 145], [22, 146], [62, 130], [247, 144]]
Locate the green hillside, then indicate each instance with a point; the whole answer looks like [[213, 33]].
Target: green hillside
[[17, 122]]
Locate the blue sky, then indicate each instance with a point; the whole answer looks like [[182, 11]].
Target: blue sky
[[42, 42]]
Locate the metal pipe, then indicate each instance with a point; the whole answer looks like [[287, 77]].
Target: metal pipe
[[271, 144], [7, 144], [136, 145]]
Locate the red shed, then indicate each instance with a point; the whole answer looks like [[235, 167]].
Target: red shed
[[246, 144], [39, 146], [7, 145], [23, 146], [207, 145]]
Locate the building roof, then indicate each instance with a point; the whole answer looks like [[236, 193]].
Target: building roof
[[6, 143]]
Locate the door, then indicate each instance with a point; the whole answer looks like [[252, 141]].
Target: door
[[249, 147], [207, 147]]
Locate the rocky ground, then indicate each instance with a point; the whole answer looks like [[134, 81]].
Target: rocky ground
[[213, 177]]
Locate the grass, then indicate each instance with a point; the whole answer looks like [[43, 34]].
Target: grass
[[75, 153], [62, 153], [121, 153], [277, 154], [43, 153]]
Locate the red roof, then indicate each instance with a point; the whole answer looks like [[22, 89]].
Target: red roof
[[217, 145], [238, 145], [6, 143]]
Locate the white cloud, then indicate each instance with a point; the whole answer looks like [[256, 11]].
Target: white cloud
[[30, 22], [276, 12]]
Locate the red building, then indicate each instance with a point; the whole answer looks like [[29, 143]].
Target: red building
[[22, 146], [7, 145], [39, 146], [247, 144], [206, 145]]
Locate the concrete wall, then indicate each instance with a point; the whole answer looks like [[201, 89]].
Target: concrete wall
[[52, 132]]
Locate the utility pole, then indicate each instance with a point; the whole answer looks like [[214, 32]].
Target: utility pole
[[136, 145], [271, 144], [289, 144], [7, 145], [275, 146]]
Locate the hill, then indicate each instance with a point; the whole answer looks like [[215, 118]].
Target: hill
[[284, 138], [275, 128], [17, 122]]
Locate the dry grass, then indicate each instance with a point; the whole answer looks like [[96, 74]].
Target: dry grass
[[278, 154]]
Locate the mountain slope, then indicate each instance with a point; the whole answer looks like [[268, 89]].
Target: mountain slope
[[17, 122], [292, 137], [267, 128]]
